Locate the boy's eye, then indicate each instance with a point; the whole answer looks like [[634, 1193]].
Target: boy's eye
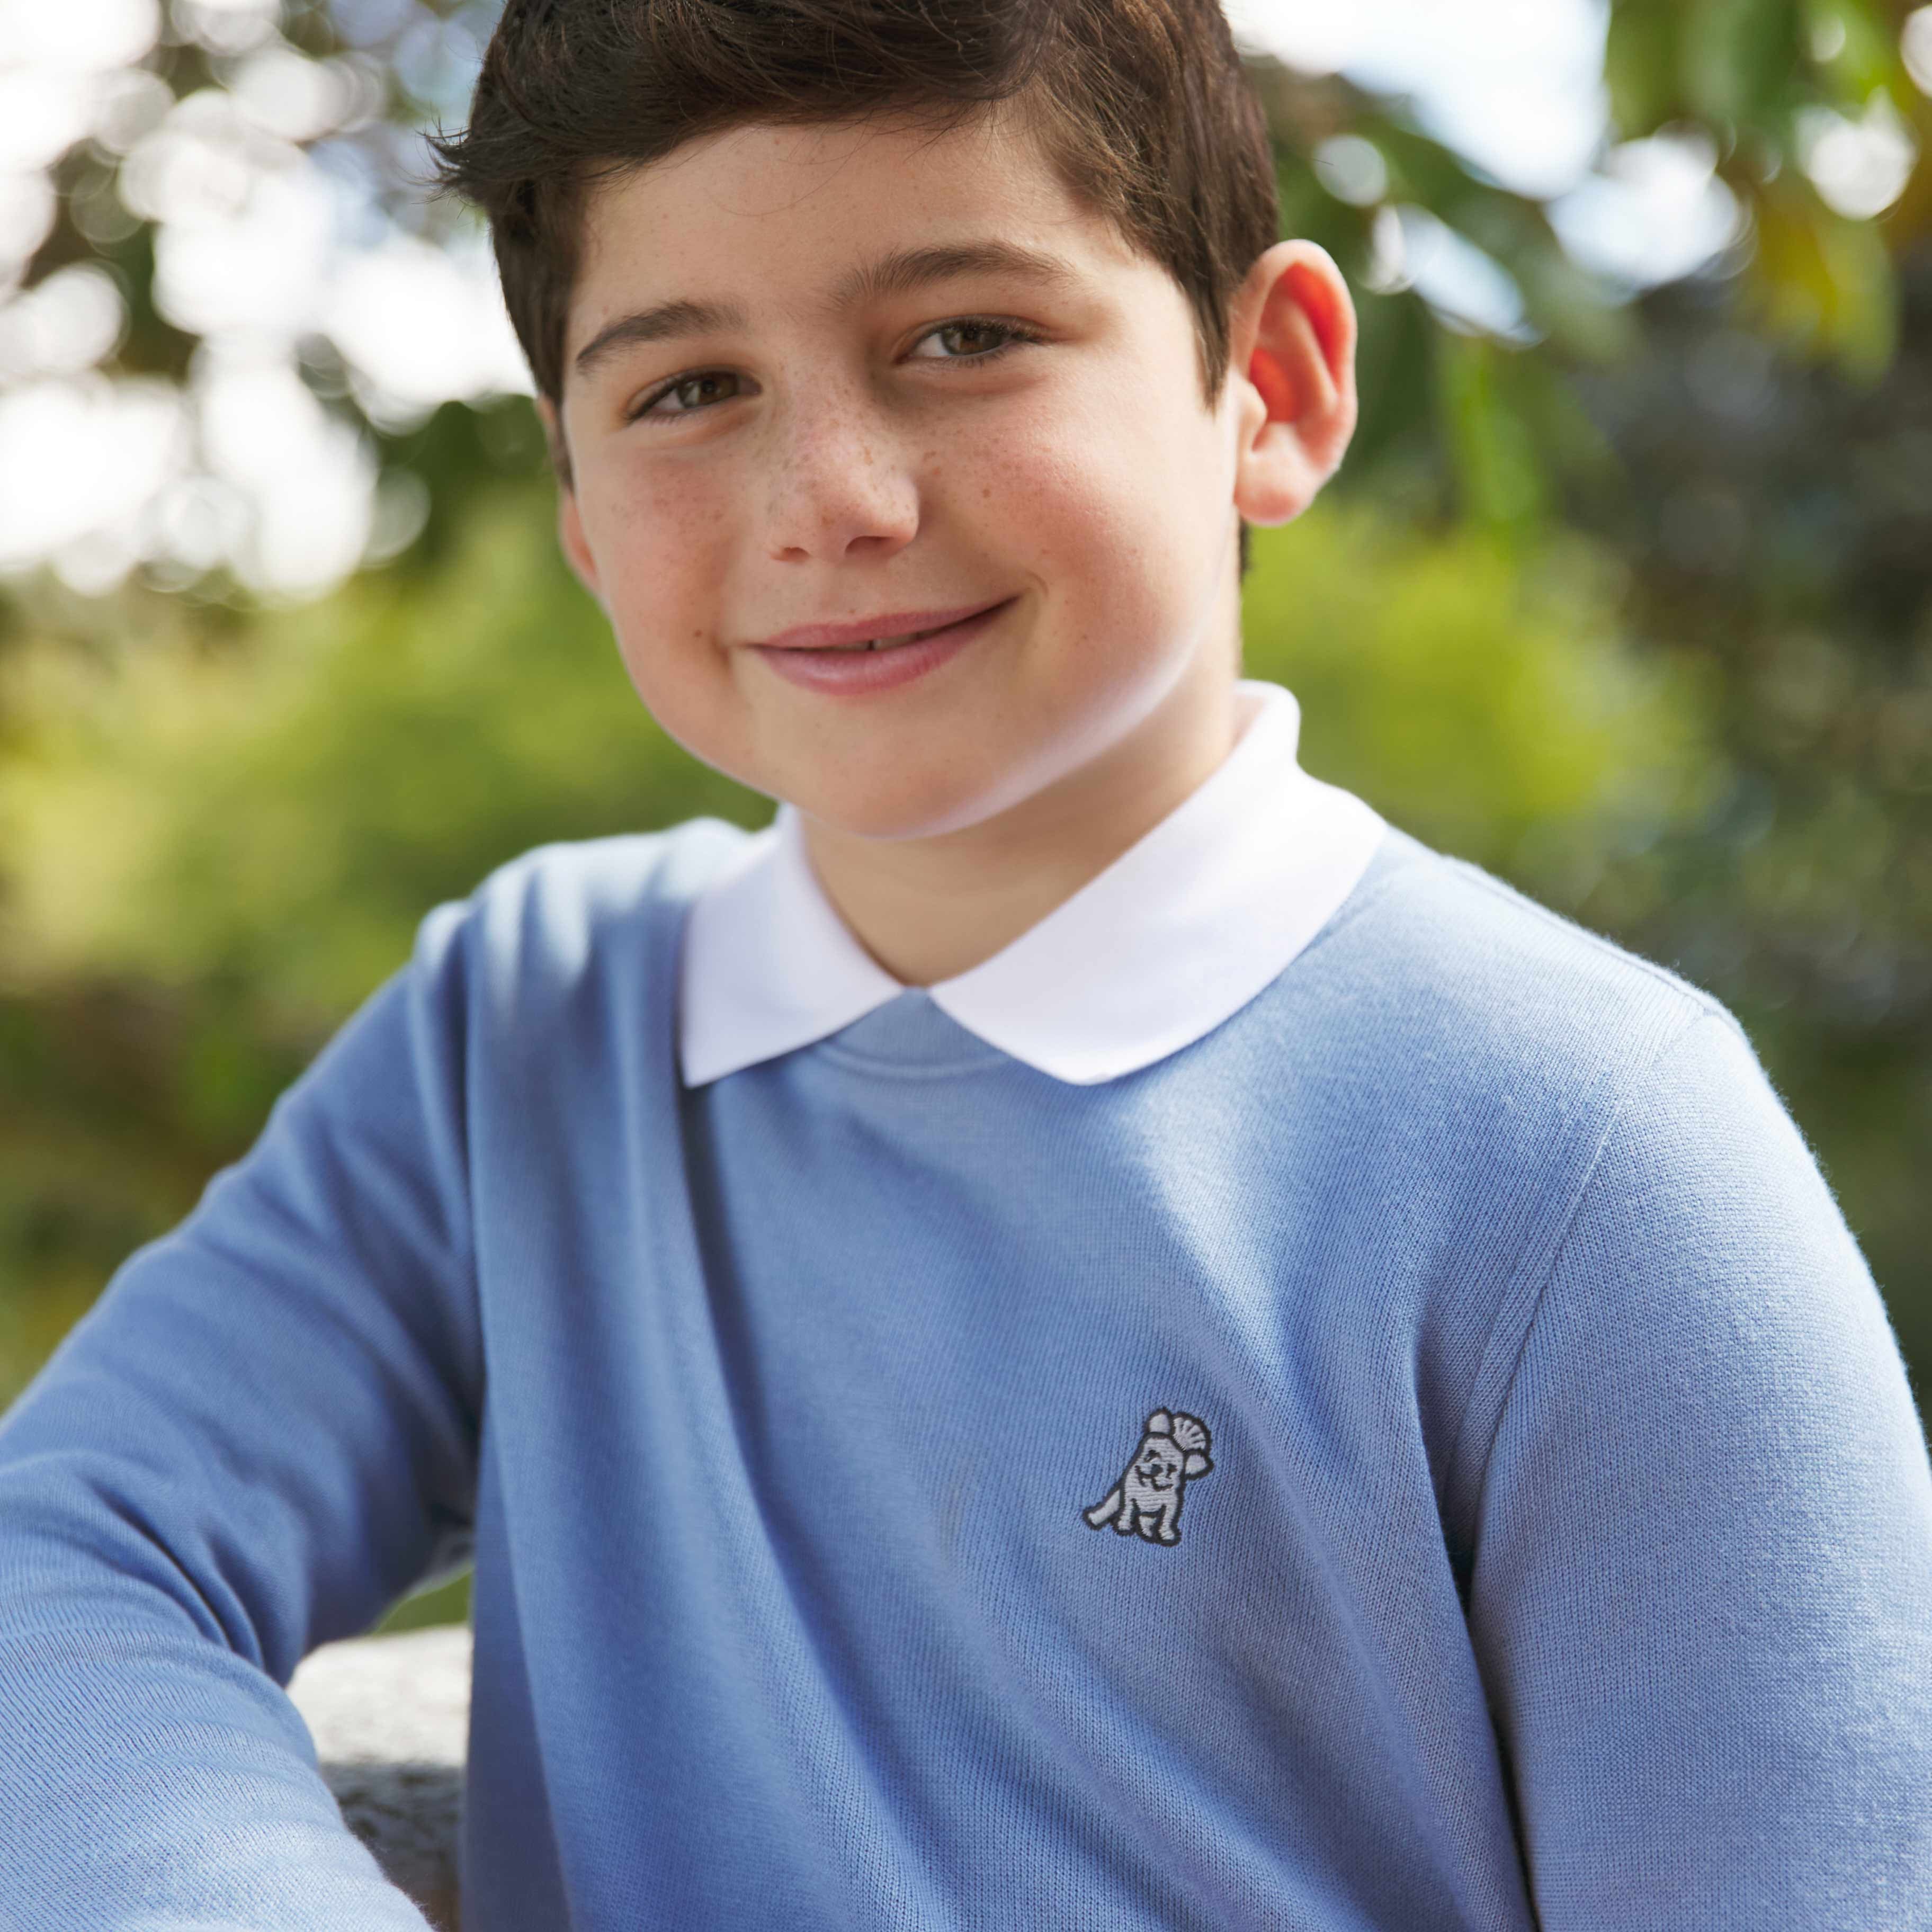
[[692, 392], [982, 339]]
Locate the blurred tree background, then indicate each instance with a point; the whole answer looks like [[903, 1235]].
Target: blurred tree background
[[1625, 591]]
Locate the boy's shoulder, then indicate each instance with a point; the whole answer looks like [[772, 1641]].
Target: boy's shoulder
[[1460, 978], [558, 913]]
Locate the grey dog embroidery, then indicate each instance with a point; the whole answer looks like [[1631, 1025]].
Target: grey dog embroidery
[[1173, 1449]]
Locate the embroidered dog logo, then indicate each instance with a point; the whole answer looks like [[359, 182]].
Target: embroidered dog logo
[[1173, 1450]]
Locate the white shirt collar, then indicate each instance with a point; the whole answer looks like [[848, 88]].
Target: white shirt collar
[[1179, 932]]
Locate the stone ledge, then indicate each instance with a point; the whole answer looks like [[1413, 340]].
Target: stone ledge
[[390, 1717]]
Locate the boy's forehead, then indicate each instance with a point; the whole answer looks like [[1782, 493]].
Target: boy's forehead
[[761, 219]]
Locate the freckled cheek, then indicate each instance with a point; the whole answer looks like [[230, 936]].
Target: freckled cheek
[[661, 553], [1102, 534], [1043, 501], [659, 549]]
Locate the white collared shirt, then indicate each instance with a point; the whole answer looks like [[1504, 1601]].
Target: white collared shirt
[[1178, 934]]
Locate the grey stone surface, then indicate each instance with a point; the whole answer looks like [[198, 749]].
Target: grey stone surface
[[390, 1717]]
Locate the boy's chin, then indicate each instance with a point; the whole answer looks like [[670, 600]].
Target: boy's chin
[[893, 807]]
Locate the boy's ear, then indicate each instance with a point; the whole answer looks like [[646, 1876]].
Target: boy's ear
[[569, 519], [1294, 345]]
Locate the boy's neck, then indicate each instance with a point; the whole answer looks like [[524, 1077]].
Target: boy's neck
[[929, 909]]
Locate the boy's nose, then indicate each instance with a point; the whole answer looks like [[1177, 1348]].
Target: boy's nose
[[840, 486]]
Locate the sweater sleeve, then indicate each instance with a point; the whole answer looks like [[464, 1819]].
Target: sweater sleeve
[[262, 1434], [1702, 1595]]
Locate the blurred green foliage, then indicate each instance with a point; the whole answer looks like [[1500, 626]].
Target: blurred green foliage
[[1419, 654], [1636, 612], [277, 818]]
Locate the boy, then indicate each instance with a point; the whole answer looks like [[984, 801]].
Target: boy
[[1079, 1334]]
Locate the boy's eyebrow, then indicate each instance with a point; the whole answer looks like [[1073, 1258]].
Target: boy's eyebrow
[[906, 269], [658, 325], [898, 273]]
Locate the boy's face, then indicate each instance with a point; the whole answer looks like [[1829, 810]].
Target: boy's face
[[831, 451]]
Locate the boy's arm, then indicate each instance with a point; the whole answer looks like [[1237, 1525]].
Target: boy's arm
[[263, 1434], [1702, 1588]]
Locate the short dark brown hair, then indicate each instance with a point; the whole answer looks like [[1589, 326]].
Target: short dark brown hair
[[1142, 107]]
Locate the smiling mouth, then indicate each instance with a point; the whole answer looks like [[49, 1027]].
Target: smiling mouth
[[893, 659], [810, 641], [889, 643]]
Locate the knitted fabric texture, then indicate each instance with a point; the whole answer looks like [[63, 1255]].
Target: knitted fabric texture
[[1520, 1518]]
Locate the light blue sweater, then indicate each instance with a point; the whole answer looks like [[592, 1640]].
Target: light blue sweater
[[1563, 1554]]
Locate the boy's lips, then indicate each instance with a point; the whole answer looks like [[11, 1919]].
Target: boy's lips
[[894, 626], [856, 657]]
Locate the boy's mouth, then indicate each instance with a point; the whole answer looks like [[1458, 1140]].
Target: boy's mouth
[[884, 643], [888, 630], [848, 660]]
